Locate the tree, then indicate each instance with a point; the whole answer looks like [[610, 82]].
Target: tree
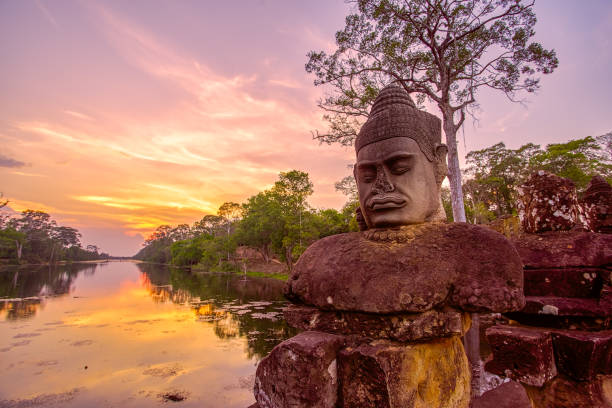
[[180, 232], [93, 248], [208, 225], [156, 247], [37, 226], [291, 191], [440, 50], [578, 160], [495, 172], [62, 238], [276, 220], [348, 187], [187, 252], [163, 232], [230, 213], [11, 243], [261, 224]]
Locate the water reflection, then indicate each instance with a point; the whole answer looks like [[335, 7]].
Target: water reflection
[[23, 290], [124, 334], [236, 307]]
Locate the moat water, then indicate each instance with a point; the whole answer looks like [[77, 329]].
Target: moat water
[[133, 335]]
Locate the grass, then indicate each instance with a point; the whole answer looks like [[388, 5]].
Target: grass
[[279, 276]]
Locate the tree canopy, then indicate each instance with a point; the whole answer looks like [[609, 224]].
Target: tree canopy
[[496, 171], [34, 237], [439, 50], [278, 222]]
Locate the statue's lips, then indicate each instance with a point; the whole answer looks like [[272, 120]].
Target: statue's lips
[[385, 203]]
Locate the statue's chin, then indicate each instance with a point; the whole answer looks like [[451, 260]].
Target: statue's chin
[[391, 218], [438, 215]]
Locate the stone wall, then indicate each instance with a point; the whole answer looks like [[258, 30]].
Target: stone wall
[[560, 347]]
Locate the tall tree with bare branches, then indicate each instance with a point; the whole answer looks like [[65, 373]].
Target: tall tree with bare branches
[[443, 51]]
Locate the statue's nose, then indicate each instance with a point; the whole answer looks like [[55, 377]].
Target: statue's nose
[[382, 183]]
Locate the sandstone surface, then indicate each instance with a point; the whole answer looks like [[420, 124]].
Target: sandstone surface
[[564, 249], [399, 327], [300, 372], [596, 206], [412, 269], [386, 374], [547, 202], [523, 354]]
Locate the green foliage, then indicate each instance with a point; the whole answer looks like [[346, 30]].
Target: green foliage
[[278, 276], [35, 238], [262, 225], [10, 241], [187, 252], [496, 171], [277, 222], [578, 160]]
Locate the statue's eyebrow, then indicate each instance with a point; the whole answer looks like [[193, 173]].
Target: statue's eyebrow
[[398, 156], [391, 158]]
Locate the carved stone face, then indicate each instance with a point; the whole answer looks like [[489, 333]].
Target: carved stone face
[[396, 183]]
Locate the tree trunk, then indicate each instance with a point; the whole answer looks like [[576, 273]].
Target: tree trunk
[[264, 253], [52, 253], [471, 342], [289, 258], [19, 247], [454, 171], [228, 234]]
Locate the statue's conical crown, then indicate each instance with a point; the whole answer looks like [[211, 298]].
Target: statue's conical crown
[[394, 114]]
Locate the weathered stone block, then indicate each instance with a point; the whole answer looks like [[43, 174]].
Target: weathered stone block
[[562, 392], [507, 395], [402, 327], [583, 355], [547, 202], [564, 313], [411, 269], [562, 306], [588, 323], [563, 282], [523, 354], [564, 249], [605, 297], [384, 374], [300, 372], [596, 206]]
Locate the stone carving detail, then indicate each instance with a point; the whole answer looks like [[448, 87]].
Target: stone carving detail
[[596, 206], [562, 352], [547, 202], [385, 307]]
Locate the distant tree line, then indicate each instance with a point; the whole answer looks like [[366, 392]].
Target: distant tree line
[[279, 223], [33, 237], [495, 172]]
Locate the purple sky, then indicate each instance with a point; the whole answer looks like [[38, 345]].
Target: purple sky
[[118, 116]]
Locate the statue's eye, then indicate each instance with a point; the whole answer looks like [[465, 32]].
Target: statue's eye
[[400, 166], [367, 174]]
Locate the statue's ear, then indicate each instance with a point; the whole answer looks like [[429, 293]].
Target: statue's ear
[[441, 166], [441, 152]]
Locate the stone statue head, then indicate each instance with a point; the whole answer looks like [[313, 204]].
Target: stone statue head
[[401, 162]]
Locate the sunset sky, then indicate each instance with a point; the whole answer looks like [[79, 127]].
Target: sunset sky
[[119, 116]]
